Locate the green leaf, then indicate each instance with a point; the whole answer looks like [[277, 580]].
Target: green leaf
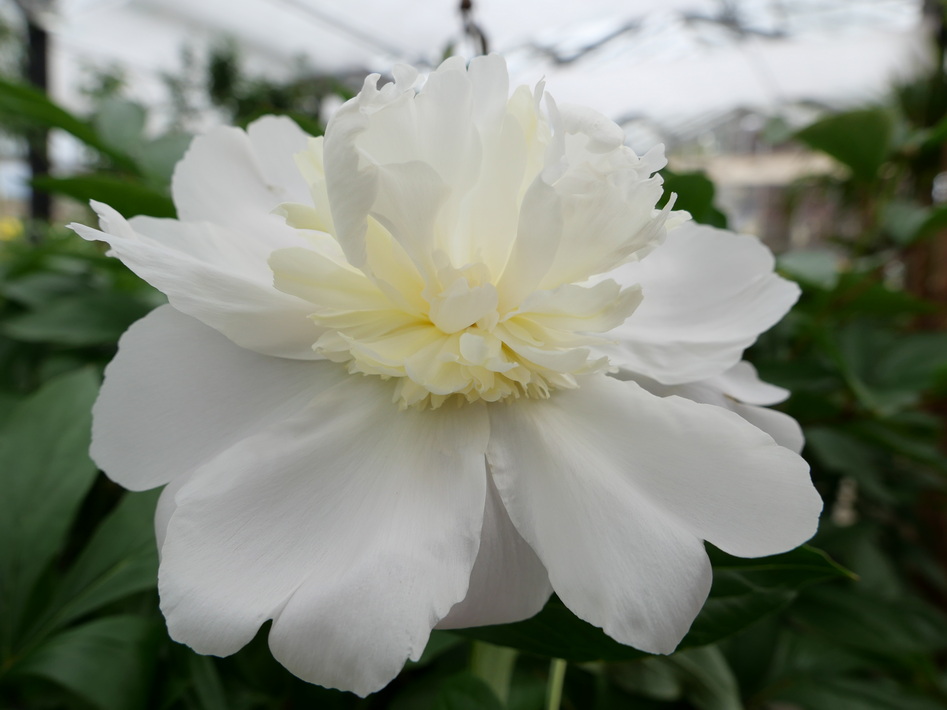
[[108, 662], [744, 592], [45, 473], [26, 104], [159, 157], [833, 693], [699, 675], [89, 319], [906, 221], [851, 618], [859, 139], [847, 455], [120, 559], [736, 605], [795, 569], [129, 198], [207, 683], [695, 193], [707, 679], [465, 691], [555, 632], [817, 268], [121, 124]]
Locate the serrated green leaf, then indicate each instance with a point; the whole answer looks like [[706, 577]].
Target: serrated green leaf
[[89, 319], [107, 662], [46, 472]]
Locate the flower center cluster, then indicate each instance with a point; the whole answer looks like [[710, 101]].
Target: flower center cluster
[[446, 336]]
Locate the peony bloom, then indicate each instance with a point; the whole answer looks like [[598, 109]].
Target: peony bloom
[[434, 367]]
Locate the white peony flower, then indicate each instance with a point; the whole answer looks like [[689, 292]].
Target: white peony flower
[[420, 374]]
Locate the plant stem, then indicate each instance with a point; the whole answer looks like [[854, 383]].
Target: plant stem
[[557, 675], [494, 666]]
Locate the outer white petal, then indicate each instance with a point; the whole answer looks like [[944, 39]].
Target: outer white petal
[[708, 294], [740, 390], [178, 393], [743, 383], [354, 525], [508, 582], [236, 178], [614, 489], [217, 275]]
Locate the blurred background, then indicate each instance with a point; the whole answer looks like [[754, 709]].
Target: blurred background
[[819, 125]]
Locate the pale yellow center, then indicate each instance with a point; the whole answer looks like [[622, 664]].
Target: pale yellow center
[[444, 337]]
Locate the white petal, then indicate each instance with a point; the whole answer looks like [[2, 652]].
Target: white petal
[[784, 429], [614, 489], [743, 383], [237, 179], [508, 582], [214, 274], [708, 294], [732, 390], [354, 525], [178, 393]]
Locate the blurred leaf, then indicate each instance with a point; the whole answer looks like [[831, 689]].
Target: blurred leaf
[[903, 220], [129, 198], [120, 559], [465, 691], [842, 615], [26, 104], [909, 223], [439, 642], [121, 124], [208, 685], [46, 472], [707, 679], [911, 362], [158, 157], [859, 139], [818, 268], [699, 675], [108, 662], [834, 693], [36, 288], [848, 455], [890, 435], [89, 319], [695, 193]]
